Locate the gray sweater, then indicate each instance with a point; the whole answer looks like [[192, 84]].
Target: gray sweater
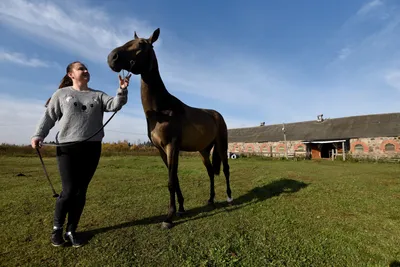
[[79, 113]]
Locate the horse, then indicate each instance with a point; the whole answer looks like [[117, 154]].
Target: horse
[[173, 126]]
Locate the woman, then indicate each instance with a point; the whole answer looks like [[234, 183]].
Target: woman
[[79, 112]]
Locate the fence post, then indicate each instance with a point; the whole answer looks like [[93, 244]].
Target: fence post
[[344, 152]]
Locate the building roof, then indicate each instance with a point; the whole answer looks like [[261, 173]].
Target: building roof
[[374, 125]]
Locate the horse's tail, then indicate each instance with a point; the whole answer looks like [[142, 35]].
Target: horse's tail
[[220, 146], [220, 154], [216, 160]]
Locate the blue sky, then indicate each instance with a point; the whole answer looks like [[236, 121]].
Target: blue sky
[[273, 61]]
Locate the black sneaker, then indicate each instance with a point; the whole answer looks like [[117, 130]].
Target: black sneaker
[[57, 238], [71, 237]]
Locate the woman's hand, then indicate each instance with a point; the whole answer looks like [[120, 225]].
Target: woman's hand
[[123, 83], [36, 142]]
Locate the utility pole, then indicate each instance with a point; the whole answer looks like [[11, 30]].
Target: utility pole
[[284, 138]]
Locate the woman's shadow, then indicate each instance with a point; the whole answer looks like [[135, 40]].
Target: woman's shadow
[[257, 194]]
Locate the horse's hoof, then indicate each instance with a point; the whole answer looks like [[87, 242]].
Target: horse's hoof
[[180, 213], [210, 203], [166, 225], [230, 201]]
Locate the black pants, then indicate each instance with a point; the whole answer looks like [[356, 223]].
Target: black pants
[[77, 164]]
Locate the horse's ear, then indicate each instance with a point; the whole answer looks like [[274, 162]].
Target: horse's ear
[[154, 36], [136, 37]]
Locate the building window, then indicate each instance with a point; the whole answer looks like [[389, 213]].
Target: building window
[[265, 149], [281, 149], [359, 148], [389, 147], [300, 148]]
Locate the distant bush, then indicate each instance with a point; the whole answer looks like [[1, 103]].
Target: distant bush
[[108, 149], [366, 158], [25, 151], [120, 148], [124, 148]]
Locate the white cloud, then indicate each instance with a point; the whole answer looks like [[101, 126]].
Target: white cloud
[[234, 122], [344, 53], [89, 32], [369, 47], [86, 32], [18, 118], [393, 79], [21, 59], [368, 7]]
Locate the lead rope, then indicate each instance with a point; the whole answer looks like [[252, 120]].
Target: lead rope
[[47, 175]]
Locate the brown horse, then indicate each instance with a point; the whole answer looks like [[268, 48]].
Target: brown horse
[[173, 126]]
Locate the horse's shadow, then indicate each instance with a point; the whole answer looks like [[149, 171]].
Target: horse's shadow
[[258, 194], [273, 189]]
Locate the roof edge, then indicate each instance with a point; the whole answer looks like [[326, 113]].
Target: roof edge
[[330, 119]]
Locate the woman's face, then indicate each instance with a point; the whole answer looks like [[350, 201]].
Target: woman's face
[[79, 73]]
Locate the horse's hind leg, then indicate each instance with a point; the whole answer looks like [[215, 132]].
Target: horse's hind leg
[[226, 169], [205, 156]]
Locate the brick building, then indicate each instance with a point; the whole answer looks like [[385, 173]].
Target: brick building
[[373, 136]]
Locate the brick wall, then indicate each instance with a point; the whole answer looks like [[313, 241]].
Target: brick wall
[[380, 147], [276, 148]]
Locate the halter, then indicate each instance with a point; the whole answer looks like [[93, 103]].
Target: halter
[[133, 62], [131, 65]]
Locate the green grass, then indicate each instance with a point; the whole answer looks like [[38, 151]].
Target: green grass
[[286, 213]]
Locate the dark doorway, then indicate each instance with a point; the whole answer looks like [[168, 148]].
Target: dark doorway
[[326, 150]]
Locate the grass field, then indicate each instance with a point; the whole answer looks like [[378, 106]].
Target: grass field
[[286, 213]]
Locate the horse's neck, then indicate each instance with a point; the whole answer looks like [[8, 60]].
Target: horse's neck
[[153, 91]]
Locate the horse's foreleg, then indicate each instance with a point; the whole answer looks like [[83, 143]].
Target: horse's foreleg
[[172, 151], [179, 194], [181, 209]]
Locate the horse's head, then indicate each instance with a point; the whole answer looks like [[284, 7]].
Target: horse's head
[[136, 56]]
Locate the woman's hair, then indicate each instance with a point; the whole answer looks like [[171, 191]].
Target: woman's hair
[[66, 80]]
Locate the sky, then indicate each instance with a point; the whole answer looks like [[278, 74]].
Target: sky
[[265, 61]]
